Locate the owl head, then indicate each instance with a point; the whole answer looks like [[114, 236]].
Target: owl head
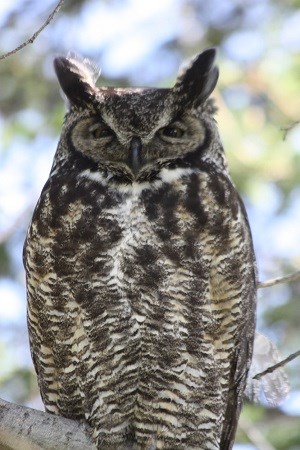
[[135, 132]]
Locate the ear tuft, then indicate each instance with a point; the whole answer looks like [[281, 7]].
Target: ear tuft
[[198, 79], [77, 77], [87, 68]]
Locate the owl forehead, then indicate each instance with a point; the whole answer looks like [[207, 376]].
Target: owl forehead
[[140, 109]]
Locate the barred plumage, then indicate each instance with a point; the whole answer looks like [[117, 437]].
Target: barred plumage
[[140, 268]]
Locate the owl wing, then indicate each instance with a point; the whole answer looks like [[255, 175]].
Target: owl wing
[[234, 290], [238, 377], [56, 334]]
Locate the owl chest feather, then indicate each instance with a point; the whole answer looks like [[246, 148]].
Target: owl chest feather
[[143, 251]]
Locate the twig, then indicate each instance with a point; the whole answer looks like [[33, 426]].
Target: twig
[[280, 280], [254, 435], [276, 366], [22, 219], [287, 129], [35, 35]]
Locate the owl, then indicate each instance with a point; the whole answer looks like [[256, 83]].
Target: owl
[[141, 277]]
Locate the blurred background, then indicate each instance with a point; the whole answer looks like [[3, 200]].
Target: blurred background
[[143, 43]]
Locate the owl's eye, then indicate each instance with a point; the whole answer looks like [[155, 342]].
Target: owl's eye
[[100, 131], [172, 131]]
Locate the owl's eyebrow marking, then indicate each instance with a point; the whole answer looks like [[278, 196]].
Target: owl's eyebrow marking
[[177, 117]]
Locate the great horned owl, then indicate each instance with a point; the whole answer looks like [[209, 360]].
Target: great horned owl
[[140, 267]]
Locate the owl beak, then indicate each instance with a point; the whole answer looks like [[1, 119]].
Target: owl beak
[[135, 159]]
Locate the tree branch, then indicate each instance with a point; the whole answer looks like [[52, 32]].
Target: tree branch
[[23, 428], [287, 129], [35, 35], [16, 225], [280, 280], [264, 284], [276, 366], [254, 435]]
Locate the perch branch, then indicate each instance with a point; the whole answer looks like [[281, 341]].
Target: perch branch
[[280, 280], [23, 428], [35, 35]]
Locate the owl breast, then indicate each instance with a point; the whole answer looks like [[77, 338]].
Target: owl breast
[[133, 288]]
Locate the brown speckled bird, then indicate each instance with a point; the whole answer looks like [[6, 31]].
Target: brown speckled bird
[[140, 268]]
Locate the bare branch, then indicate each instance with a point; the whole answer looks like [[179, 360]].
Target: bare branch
[[287, 129], [280, 280], [35, 35], [254, 435], [23, 428], [276, 366], [22, 219]]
